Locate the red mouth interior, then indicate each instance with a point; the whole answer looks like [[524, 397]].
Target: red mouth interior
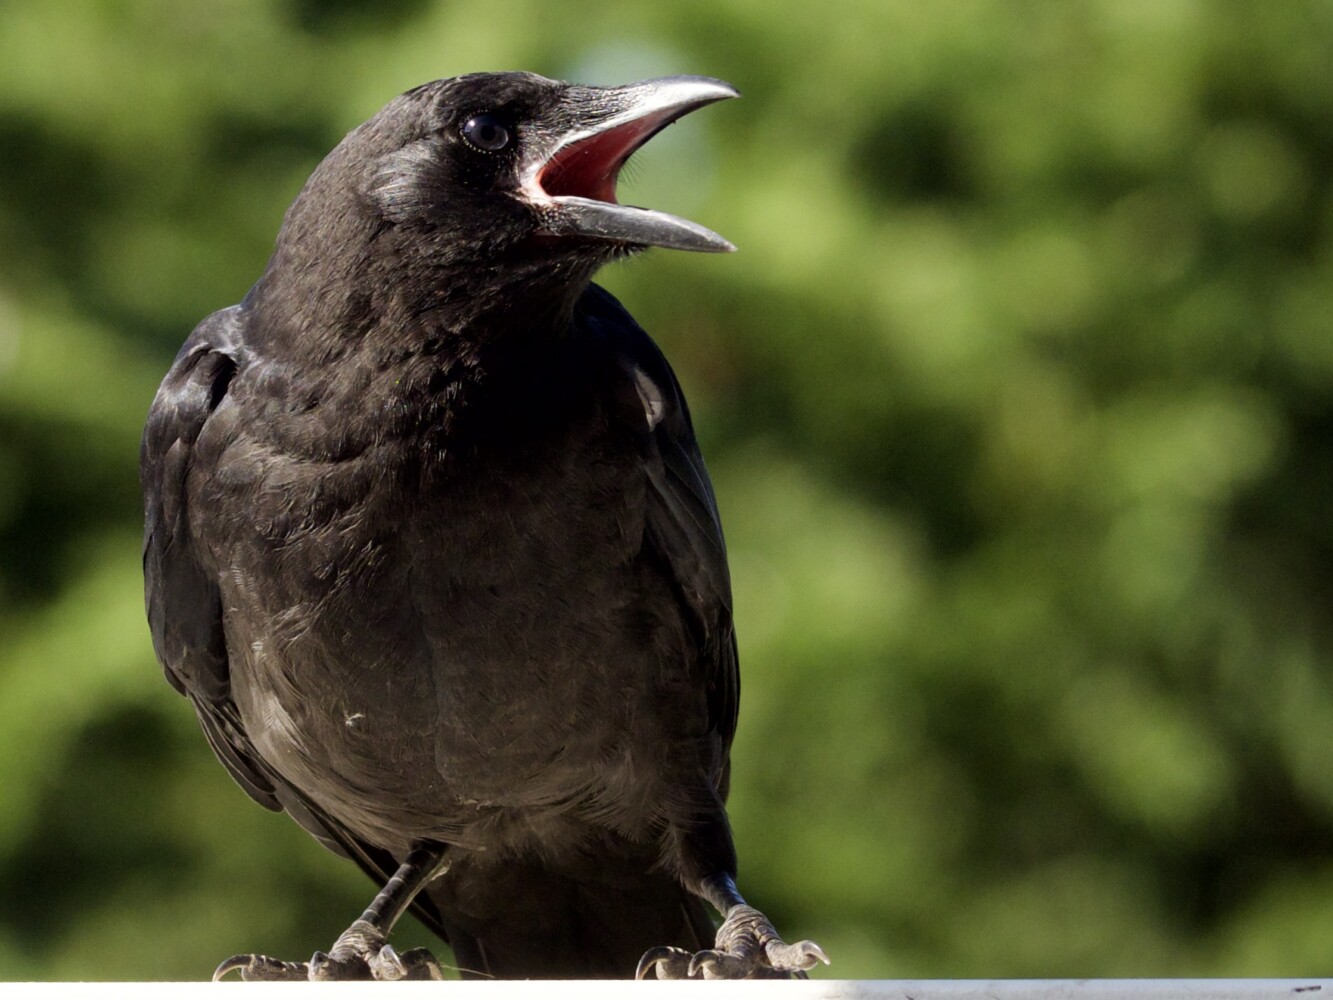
[[589, 168]]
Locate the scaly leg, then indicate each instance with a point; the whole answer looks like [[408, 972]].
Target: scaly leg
[[747, 946], [362, 951]]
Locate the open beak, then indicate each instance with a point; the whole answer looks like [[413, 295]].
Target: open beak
[[572, 182]]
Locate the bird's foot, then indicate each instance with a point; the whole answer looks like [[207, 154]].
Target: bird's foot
[[746, 947], [360, 953]]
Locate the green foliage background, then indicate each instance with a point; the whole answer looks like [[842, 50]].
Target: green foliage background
[[1017, 398]]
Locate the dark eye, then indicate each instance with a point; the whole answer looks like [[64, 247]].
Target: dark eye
[[487, 132]]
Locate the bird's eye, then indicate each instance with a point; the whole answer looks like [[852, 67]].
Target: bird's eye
[[487, 132]]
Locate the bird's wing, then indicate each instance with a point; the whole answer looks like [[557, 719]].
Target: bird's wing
[[683, 526], [183, 598], [184, 603]]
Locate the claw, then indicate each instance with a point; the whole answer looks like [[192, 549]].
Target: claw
[[419, 963], [230, 965], [801, 955], [386, 966], [747, 947], [329, 968], [359, 954], [714, 964], [669, 963], [262, 969]]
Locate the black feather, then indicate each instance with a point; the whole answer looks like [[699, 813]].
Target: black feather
[[431, 548]]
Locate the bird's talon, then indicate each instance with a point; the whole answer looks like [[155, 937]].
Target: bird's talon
[[230, 965], [791, 957], [386, 966], [717, 964], [419, 963], [262, 969], [326, 968], [747, 947], [667, 962]]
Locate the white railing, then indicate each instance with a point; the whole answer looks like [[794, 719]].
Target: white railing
[[817, 989]]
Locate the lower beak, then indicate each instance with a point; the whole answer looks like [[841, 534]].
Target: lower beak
[[573, 183]]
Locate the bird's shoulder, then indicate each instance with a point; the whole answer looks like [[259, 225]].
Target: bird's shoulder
[[183, 602], [193, 386]]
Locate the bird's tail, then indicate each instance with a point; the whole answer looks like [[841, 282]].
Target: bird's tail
[[525, 921]]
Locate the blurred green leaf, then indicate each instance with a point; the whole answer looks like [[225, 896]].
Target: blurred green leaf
[[1017, 398]]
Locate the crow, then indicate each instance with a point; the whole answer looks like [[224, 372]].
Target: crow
[[430, 548]]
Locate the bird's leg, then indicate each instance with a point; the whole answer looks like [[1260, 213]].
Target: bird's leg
[[362, 951], [747, 945], [364, 948]]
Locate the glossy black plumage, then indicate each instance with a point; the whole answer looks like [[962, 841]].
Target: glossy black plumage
[[431, 549]]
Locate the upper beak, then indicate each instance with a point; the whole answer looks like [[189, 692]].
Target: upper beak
[[572, 181]]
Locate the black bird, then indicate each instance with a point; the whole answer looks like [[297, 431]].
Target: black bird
[[431, 549]]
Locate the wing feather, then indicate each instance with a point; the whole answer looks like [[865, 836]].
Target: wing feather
[[184, 602], [684, 529]]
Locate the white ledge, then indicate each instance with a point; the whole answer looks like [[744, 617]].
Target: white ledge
[[818, 989]]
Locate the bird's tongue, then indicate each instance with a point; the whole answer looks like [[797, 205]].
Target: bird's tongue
[[588, 168]]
